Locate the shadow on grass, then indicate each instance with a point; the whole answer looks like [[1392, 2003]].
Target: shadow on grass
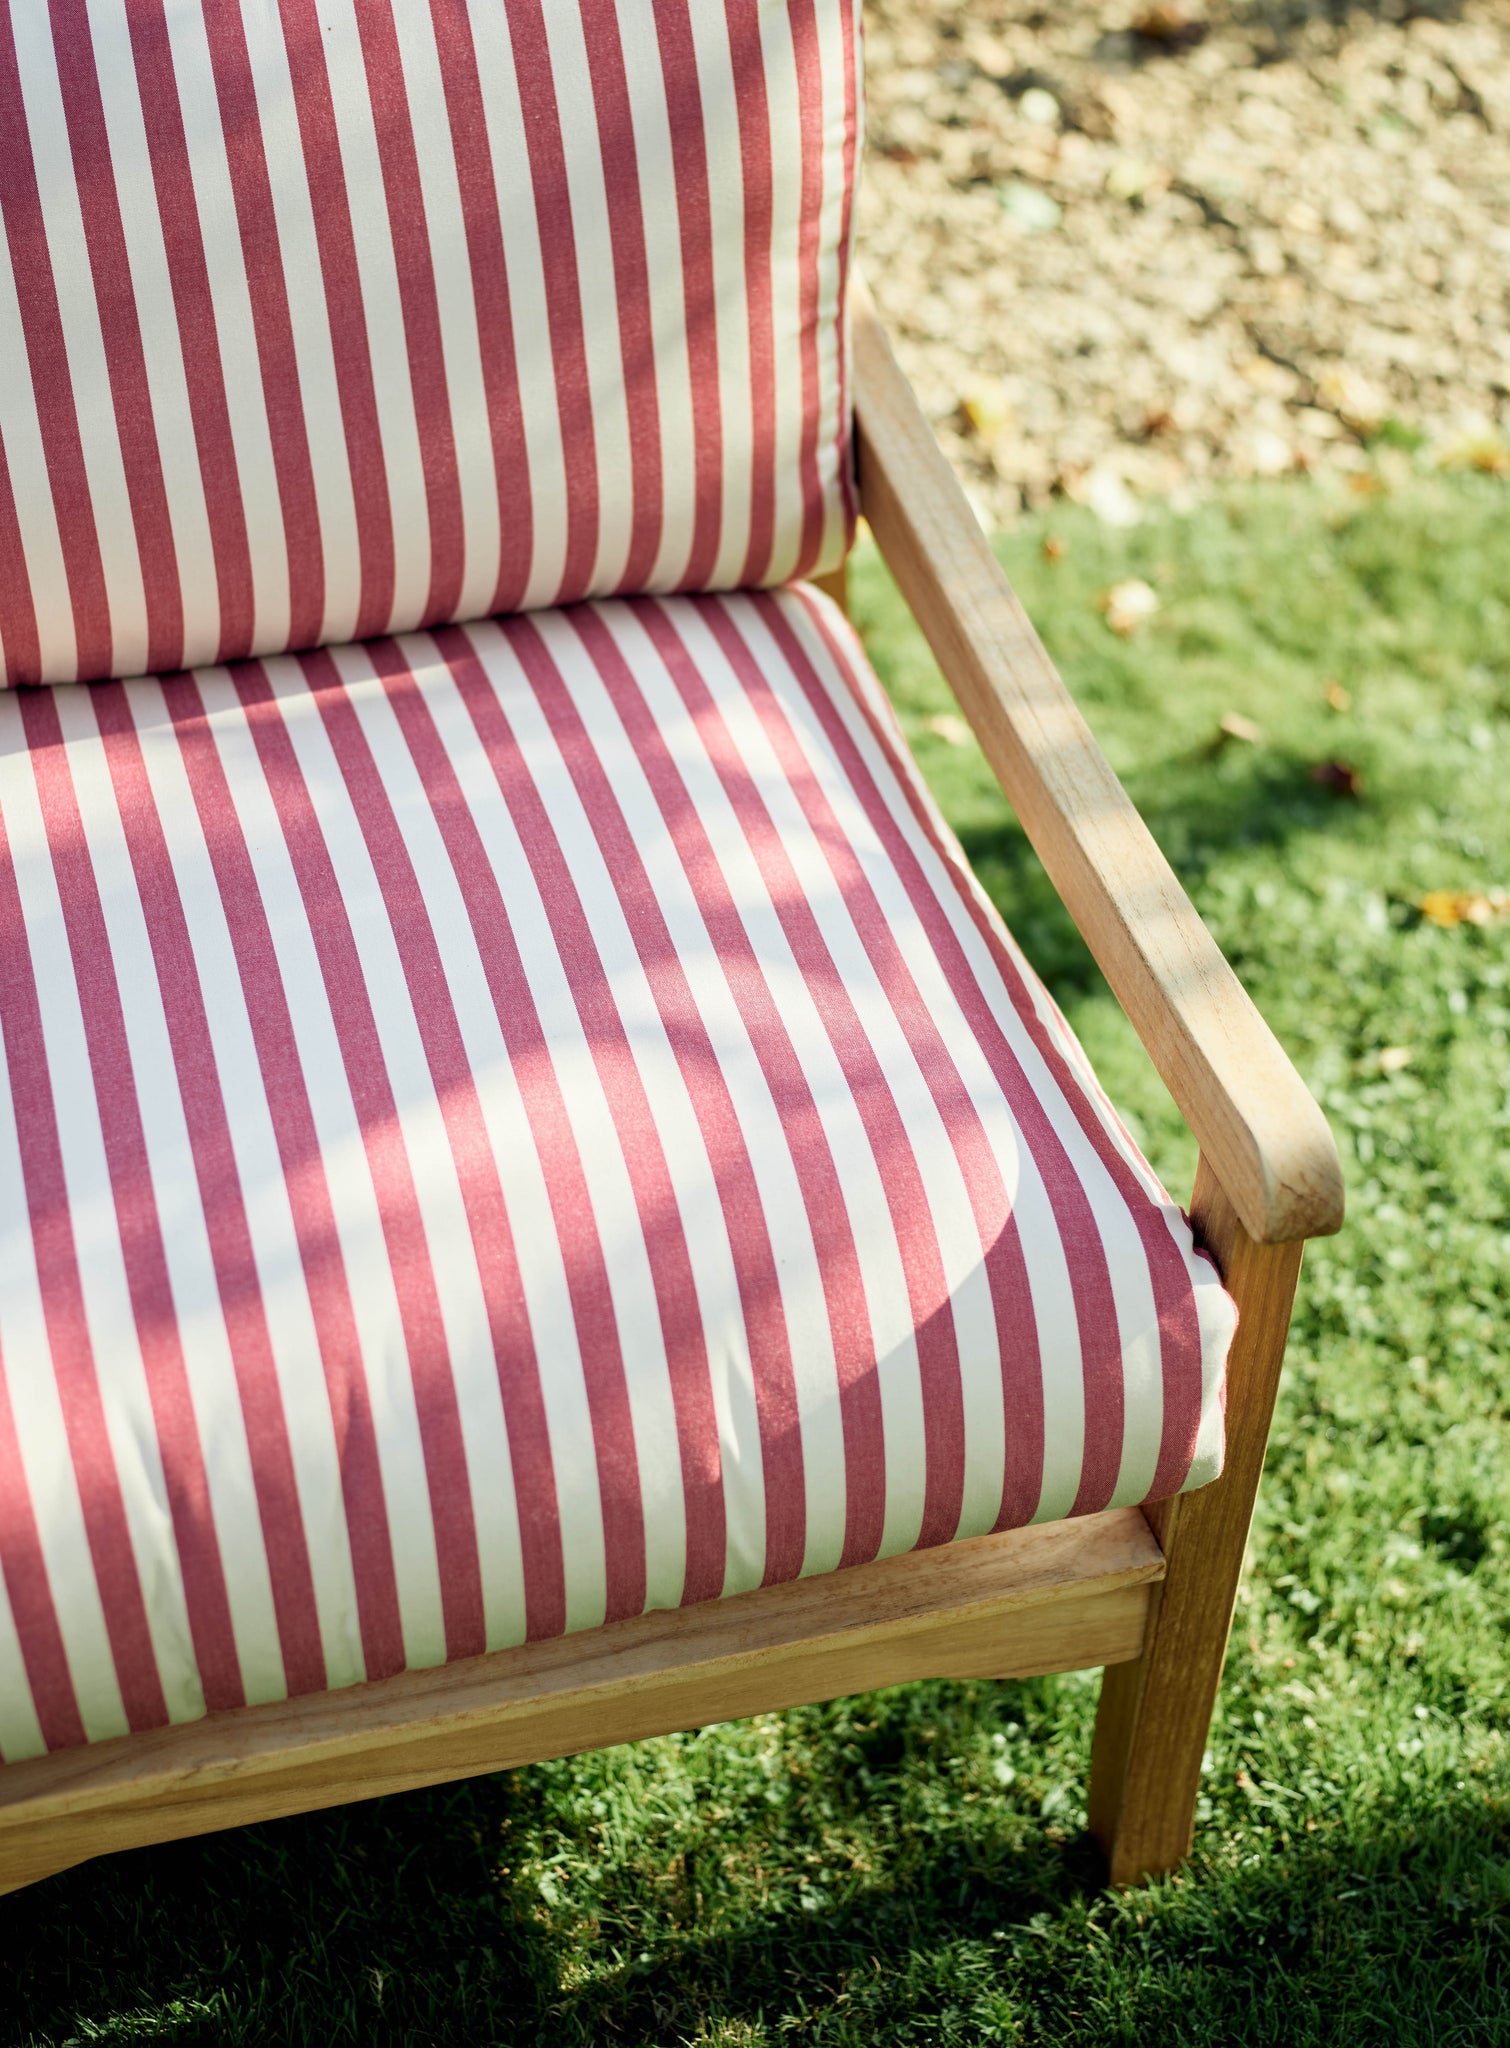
[[1381, 1935], [409, 1919], [1197, 812]]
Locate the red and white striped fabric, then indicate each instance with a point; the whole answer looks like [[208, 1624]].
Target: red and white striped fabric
[[328, 318], [507, 1128]]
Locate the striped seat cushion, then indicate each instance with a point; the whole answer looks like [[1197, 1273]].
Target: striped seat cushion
[[507, 1128], [319, 321]]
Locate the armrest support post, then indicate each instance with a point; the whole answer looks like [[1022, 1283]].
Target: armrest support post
[[1155, 1712]]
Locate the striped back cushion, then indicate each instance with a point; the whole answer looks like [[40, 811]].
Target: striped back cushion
[[328, 318]]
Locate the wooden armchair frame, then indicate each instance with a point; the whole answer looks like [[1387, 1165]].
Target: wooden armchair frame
[[1147, 1593]]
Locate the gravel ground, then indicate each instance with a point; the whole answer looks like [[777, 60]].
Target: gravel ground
[[1128, 249]]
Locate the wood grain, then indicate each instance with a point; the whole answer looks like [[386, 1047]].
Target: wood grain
[[1155, 1712], [1062, 1597], [1251, 1113]]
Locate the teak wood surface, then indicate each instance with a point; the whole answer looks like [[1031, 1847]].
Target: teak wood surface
[[1155, 1711], [1148, 1594], [1055, 1598]]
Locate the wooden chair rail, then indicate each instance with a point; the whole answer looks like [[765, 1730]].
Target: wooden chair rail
[[1057, 1598], [1252, 1115]]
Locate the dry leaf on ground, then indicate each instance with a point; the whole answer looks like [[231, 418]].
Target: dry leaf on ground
[[1235, 727], [1282, 224], [1448, 907], [1128, 604], [1339, 776], [1171, 26], [1481, 448]]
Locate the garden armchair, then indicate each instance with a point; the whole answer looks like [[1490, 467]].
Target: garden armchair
[[539, 1203]]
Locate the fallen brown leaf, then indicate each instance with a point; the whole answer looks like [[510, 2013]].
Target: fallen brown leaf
[[984, 412], [1235, 727], [1448, 907], [1053, 548], [1356, 399], [1128, 604], [1339, 776], [1165, 22], [1339, 698], [1482, 449]]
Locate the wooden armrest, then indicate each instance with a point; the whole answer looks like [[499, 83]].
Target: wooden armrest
[[1254, 1118]]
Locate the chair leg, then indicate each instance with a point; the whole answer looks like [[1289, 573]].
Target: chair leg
[[1154, 1715]]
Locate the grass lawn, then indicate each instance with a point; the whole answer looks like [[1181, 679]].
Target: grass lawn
[[910, 1867]]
